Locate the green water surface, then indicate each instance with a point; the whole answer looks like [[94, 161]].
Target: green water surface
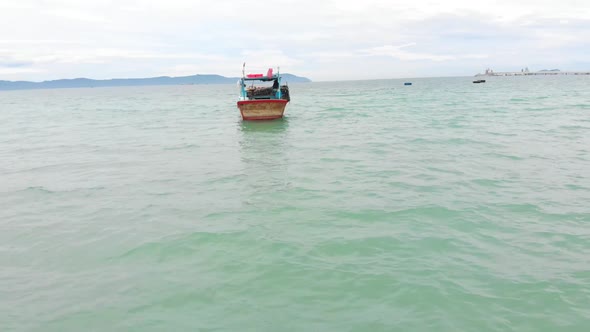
[[373, 206]]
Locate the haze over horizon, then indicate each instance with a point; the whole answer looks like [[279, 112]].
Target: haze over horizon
[[331, 40]]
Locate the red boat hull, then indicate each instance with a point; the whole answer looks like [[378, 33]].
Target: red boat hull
[[262, 109]]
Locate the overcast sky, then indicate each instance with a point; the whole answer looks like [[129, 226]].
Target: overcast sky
[[323, 40]]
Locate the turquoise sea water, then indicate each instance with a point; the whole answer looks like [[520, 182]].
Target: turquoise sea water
[[373, 206]]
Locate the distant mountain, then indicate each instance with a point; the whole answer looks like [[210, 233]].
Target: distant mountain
[[162, 80], [545, 70]]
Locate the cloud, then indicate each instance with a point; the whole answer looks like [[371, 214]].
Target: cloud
[[36, 41], [78, 15], [396, 51], [257, 58], [399, 53], [18, 70], [328, 39]]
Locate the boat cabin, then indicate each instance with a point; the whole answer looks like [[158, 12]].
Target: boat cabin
[[253, 92]]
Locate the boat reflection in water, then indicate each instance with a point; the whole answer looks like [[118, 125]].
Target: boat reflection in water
[[264, 158], [277, 126]]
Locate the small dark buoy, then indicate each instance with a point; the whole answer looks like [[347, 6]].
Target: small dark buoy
[[407, 83]]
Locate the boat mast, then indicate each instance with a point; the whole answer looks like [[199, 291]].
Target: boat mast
[[242, 83], [279, 80]]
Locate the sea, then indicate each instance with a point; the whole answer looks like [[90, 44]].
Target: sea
[[372, 206]]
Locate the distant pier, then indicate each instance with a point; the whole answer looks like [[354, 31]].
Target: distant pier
[[526, 72]]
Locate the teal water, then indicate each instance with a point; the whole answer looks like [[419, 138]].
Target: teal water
[[373, 206]]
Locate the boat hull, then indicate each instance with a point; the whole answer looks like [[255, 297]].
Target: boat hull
[[266, 109]]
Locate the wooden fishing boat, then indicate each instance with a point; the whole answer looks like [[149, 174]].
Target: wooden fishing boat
[[262, 102]]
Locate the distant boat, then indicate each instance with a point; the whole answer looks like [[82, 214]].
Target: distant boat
[[262, 102], [479, 81], [408, 83]]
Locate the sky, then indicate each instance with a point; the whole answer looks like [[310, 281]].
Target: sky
[[321, 39]]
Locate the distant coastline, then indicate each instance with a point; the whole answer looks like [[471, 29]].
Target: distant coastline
[[118, 82]]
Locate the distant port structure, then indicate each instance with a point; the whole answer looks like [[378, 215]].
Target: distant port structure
[[527, 72]]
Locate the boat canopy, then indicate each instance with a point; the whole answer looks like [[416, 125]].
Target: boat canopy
[[261, 78]]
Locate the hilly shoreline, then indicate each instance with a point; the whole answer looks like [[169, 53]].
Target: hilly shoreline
[[118, 82]]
